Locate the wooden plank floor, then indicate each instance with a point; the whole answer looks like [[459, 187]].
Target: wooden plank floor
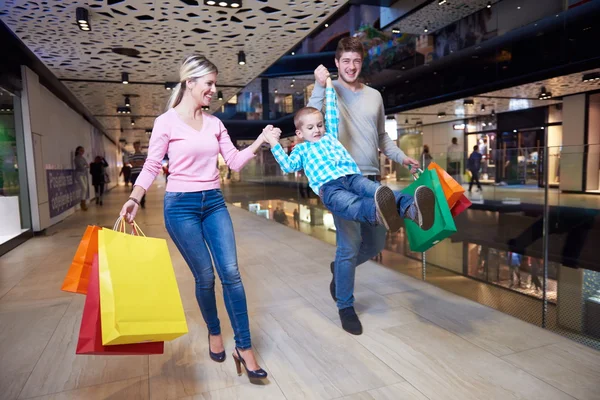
[[420, 342]]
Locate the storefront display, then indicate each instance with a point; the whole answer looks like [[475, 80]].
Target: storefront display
[[14, 194], [592, 184], [487, 144]]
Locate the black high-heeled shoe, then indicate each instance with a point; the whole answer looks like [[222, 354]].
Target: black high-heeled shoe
[[218, 357], [252, 375]]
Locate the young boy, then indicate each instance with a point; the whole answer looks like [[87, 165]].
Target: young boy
[[335, 177]]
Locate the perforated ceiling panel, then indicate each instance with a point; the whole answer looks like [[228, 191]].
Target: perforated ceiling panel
[[435, 16], [511, 99], [161, 33]]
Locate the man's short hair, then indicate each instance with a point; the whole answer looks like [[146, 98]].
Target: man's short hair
[[301, 113], [349, 44]]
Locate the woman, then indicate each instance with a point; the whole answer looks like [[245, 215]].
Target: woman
[[81, 167], [97, 170], [426, 158], [194, 209]]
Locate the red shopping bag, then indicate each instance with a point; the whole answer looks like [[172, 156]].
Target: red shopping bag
[[77, 277], [90, 333], [461, 205]]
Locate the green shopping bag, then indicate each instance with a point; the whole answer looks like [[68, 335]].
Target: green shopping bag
[[443, 226]]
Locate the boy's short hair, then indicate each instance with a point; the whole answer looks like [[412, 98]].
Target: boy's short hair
[[475, 147], [349, 44], [301, 113]]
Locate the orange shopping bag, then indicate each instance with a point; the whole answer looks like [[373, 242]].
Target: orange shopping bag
[[452, 189], [77, 278]]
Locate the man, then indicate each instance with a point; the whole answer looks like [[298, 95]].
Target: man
[[137, 160], [474, 165], [455, 157], [362, 132]]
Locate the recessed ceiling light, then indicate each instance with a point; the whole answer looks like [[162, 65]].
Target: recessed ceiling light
[[489, 4], [592, 77], [223, 3], [440, 2], [83, 19], [425, 30], [220, 95], [242, 58], [127, 101], [125, 78], [395, 30], [293, 53], [326, 25]]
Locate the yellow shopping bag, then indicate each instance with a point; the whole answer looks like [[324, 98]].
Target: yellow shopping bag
[[139, 296]]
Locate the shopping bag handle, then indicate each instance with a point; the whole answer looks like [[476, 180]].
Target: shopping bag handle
[[136, 230], [120, 227], [417, 173]]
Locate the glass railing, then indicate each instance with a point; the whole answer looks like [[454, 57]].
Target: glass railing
[[498, 256]]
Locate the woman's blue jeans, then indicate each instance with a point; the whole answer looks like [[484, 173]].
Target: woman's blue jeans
[[200, 226]]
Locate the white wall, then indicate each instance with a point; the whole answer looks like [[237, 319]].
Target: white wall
[[55, 131], [571, 159], [438, 137], [114, 158]]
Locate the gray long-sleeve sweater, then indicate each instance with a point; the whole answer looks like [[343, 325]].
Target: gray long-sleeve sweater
[[362, 125]]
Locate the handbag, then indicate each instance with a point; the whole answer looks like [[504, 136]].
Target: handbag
[[77, 277], [139, 296], [90, 331], [452, 189], [443, 225]]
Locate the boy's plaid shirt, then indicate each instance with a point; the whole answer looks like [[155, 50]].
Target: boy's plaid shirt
[[323, 160]]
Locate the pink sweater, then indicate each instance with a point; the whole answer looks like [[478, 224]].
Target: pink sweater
[[193, 154]]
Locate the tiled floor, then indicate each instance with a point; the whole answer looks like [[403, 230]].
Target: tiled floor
[[420, 342]]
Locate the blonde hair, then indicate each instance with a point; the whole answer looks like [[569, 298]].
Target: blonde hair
[[301, 113], [192, 67]]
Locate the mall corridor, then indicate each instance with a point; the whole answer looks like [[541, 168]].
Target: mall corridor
[[420, 342]]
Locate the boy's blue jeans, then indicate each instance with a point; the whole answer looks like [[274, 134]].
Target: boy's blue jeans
[[359, 238], [352, 197]]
